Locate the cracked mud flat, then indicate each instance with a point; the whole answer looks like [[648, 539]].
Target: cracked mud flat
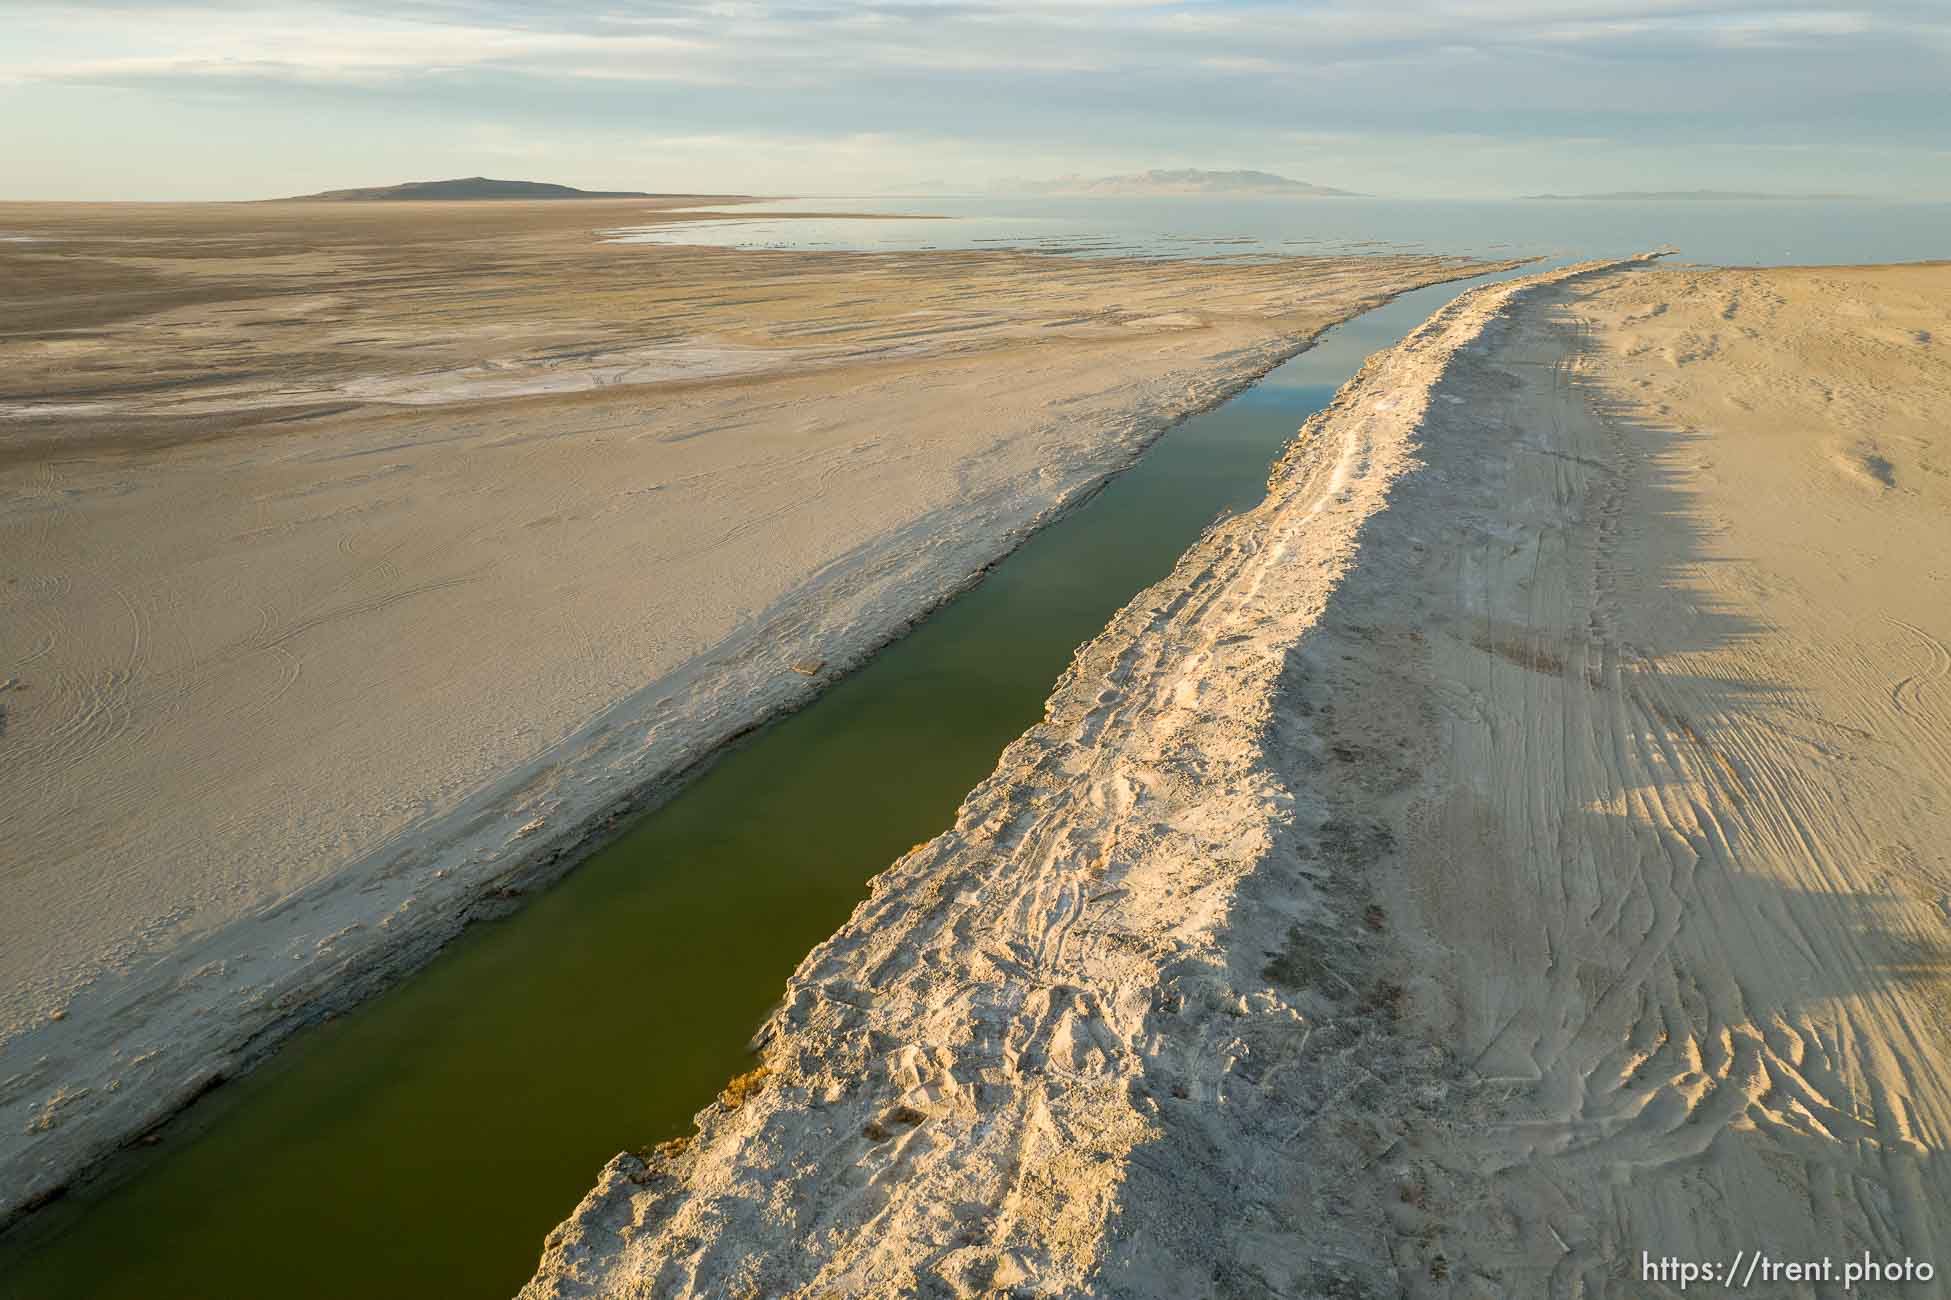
[[317, 655], [1516, 845]]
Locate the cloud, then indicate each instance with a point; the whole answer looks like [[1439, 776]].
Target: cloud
[[753, 43], [146, 44], [1085, 82]]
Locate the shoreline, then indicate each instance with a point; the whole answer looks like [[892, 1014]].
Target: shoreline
[[465, 866], [950, 1115]]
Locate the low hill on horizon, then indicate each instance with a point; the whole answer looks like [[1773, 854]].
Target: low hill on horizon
[[1185, 180], [466, 187]]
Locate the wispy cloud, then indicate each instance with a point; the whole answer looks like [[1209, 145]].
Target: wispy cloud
[[1081, 82]]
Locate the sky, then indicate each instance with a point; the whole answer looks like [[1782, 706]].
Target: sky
[[224, 99]]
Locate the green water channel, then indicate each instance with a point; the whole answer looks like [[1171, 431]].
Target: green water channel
[[425, 1144]]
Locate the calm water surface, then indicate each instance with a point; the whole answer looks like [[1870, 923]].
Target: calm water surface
[[1727, 233]]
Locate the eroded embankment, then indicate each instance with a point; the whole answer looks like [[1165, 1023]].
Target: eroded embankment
[[1126, 1027]]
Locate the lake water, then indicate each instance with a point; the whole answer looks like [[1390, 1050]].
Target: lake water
[[1725, 233]]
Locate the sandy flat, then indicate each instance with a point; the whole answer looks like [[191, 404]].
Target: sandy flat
[[1708, 750], [1516, 846], [357, 565]]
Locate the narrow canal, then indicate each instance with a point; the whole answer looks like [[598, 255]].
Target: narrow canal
[[424, 1145]]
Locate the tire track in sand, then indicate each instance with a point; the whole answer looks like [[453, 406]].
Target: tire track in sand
[[1704, 1010]]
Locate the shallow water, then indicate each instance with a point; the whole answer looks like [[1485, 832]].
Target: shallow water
[[1727, 233], [425, 1144]]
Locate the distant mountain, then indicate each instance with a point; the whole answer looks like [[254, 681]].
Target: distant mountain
[[1184, 181], [1636, 195], [470, 187]]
